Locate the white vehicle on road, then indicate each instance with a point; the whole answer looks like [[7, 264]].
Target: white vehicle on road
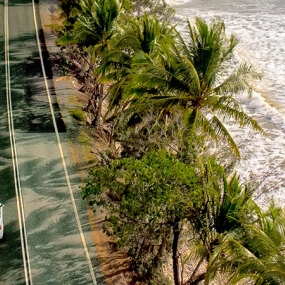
[[1, 221]]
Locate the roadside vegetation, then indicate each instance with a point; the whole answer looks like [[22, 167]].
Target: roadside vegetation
[[162, 100]]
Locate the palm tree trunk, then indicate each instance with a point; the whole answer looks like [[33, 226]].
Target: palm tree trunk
[[193, 119], [197, 279], [97, 121], [175, 256], [89, 104], [100, 102], [92, 99], [192, 277]]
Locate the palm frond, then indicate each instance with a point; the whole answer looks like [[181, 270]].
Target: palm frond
[[238, 116], [239, 81], [222, 132]]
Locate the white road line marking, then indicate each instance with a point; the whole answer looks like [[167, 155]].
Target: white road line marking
[[62, 155], [19, 199]]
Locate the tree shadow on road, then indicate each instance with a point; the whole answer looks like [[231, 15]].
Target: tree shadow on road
[[31, 110], [11, 255]]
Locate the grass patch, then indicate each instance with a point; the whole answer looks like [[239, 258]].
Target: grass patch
[[83, 138], [77, 115]]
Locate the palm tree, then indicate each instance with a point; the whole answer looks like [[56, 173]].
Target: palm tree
[[94, 25], [138, 35], [143, 33], [259, 254], [134, 128], [192, 78], [91, 32], [227, 204]]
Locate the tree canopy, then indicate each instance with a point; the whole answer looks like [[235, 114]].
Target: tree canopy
[[159, 96]]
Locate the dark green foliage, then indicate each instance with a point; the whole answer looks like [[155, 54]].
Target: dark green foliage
[[258, 254], [145, 198], [94, 24], [69, 8], [138, 35]]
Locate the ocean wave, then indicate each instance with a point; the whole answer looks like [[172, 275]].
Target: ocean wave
[[174, 3], [260, 29]]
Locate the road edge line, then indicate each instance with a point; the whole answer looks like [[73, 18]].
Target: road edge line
[[18, 190], [61, 153]]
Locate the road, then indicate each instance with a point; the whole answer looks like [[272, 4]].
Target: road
[[47, 236]]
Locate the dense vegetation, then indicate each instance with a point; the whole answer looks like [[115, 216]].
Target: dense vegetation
[[163, 98]]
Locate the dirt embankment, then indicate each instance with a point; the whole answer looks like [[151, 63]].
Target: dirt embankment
[[83, 147]]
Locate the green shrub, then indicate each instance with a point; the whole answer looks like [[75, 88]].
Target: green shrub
[[77, 115]]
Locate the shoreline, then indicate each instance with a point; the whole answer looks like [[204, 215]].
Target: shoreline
[[261, 156]]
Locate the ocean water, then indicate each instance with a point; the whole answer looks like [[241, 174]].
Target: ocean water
[[260, 28]]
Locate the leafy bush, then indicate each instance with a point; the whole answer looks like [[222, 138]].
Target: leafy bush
[[148, 200]]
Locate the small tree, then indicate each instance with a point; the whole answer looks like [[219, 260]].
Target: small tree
[[149, 201], [157, 7]]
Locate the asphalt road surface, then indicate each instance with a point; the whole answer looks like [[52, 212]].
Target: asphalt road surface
[[47, 238]]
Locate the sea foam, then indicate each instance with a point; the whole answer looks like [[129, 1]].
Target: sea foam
[[260, 27]]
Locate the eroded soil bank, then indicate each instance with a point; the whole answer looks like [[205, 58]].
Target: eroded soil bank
[[82, 145]]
